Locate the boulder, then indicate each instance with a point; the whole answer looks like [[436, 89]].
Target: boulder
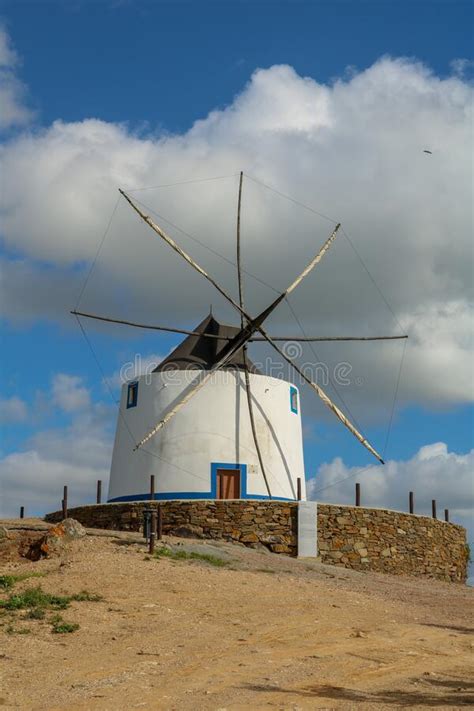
[[187, 530], [54, 542], [73, 529]]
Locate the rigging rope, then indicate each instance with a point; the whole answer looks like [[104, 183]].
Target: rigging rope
[[117, 404], [404, 330], [88, 276], [394, 400], [341, 399], [182, 182], [287, 197], [389, 429], [205, 246], [334, 483]]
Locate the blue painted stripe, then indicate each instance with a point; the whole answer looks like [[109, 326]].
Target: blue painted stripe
[[183, 495], [208, 495]]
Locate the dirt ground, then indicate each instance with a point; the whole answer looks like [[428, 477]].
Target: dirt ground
[[264, 631]]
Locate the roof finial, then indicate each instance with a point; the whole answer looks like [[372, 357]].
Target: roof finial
[[210, 309]]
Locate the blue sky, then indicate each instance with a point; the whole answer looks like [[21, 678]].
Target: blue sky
[[147, 72], [169, 63]]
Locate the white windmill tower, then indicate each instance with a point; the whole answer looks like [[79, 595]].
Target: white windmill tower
[[206, 422]]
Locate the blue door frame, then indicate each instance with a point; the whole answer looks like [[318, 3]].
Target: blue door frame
[[212, 494]]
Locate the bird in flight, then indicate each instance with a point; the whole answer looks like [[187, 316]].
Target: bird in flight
[[426, 151]]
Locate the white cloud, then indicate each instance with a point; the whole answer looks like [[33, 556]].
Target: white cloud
[[13, 409], [352, 149], [461, 66], [12, 92], [8, 56], [432, 473], [69, 392], [77, 455], [131, 369]]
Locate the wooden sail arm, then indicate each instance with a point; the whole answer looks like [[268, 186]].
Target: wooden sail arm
[[311, 339], [324, 397], [254, 339], [309, 267], [248, 389], [149, 327]]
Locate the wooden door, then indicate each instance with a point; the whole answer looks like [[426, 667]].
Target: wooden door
[[228, 483]]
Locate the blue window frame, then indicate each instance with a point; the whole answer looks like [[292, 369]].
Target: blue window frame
[[132, 395], [294, 400]]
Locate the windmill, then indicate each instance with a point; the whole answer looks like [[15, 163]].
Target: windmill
[[272, 441]]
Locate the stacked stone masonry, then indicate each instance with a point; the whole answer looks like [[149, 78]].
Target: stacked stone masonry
[[391, 542], [348, 536]]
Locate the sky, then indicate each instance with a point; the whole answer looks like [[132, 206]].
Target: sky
[[332, 104]]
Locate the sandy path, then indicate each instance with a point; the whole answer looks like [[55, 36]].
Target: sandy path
[[271, 632]]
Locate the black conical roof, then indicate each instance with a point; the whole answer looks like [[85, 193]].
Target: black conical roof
[[202, 352]]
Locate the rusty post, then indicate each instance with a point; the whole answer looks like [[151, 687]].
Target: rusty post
[[357, 494], [298, 488], [64, 501], [160, 523], [411, 502], [433, 508], [446, 515], [99, 491], [152, 532], [22, 512], [152, 487]]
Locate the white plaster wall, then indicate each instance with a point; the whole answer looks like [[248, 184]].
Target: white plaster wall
[[213, 427]]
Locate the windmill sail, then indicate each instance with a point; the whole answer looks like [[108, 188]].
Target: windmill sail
[[243, 339], [228, 352]]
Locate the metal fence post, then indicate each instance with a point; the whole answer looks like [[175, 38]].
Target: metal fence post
[[152, 532], [99, 491], [64, 501], [411, 502], [357, 494], [433, 508], [160, 523], [146, 523]]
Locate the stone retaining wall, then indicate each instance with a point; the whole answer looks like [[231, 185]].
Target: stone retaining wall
[[348, 536], [391, 542], [272, 524]]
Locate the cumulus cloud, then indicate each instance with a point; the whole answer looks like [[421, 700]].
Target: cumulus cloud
[[353, 149], [13, 409], [461, 66], [76, 455], [432, 473], [69, 392], [13, 111], [131, 369]]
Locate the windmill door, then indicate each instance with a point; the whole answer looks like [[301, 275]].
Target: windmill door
[[228, 483]]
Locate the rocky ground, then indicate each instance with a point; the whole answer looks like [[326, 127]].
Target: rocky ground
[[244, 629]]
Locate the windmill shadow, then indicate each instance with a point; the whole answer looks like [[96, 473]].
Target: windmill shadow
[[454, 693]]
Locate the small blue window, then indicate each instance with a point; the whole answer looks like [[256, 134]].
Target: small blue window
[[132, 395], [294, 400]]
